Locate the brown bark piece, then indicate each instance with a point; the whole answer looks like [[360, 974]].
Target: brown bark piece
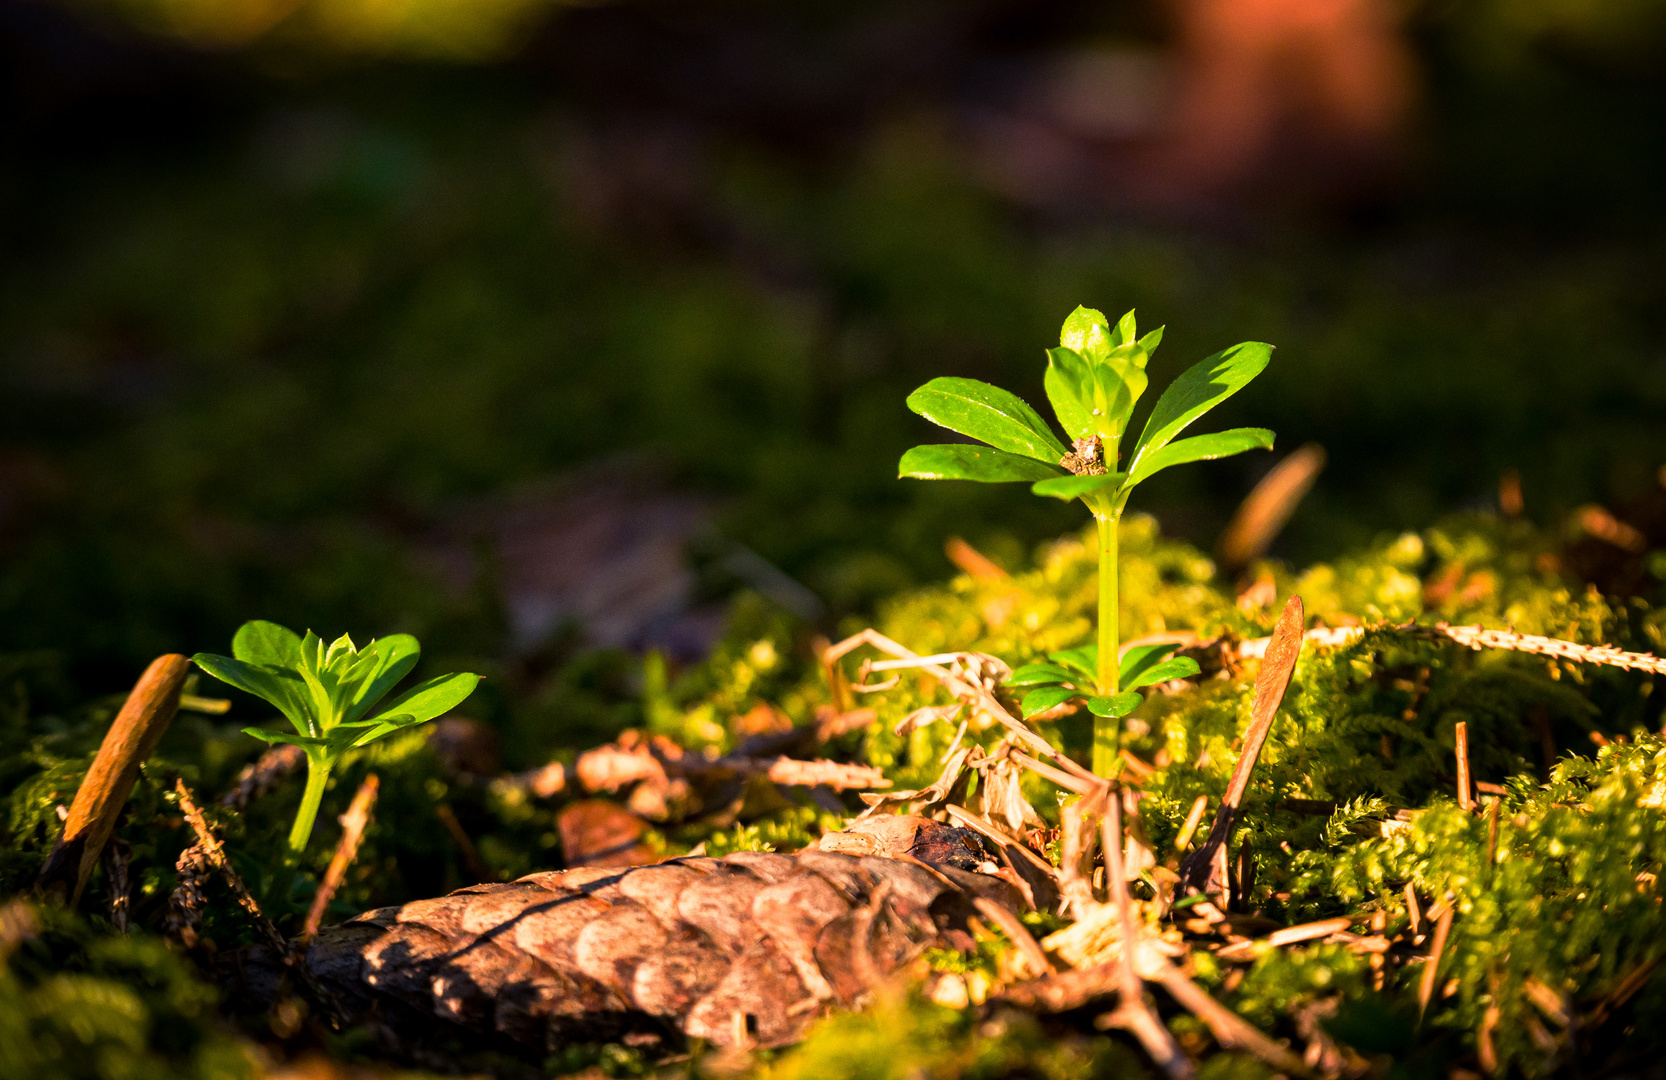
[[720, 905], [910, 882], [132, 738], [465, 986], [793, 913], [549, 930], [443, 914], [762, 989], [860, 946], [685, 969], [611, 946], [766, 864], [399, 963], [736, 950], [657, 888], [1205, 868], [596, 832]]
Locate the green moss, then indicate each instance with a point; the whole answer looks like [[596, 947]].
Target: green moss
[[76, 1005]]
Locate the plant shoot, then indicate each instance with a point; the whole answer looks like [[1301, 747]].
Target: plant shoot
[[1093, 381], [330, 695]]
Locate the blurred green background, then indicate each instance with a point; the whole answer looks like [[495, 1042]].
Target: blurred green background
[[486, 321]]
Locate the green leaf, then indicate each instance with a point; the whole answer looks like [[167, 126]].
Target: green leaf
[[266, 735], [342, 652], [266, 643], [280, 689], [1199, 389], [1204, 448], [1083, 659], [392, 657], [989, 414], [432, 698], [1181, 667], [1045, 698], [1139, 657], [1074, 487], [311, 670], [1125, 330], [1039, 675], [1148, 344], [959, 461], [1115, 706], [380, 730], [1087, 333], [1192, 901], [1069, 385], [1118, 384]]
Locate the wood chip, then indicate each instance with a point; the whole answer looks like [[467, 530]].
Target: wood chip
[[131, 740]]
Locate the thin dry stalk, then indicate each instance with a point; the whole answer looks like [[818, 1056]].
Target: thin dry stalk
[[117, 854], [962, 686], [1486, 1051], [216, 856], [1479, 637], [795, 773], [1413, 912], [1204, 870], [1068, 781], [353, 825], [1466, 799], [1290, 935], [1144, 1025], [1229, 1029], [1017, 933], [471, 855], [1194, 817], [1492, 831], [292, 959], [102, 794], [1136, 1013], [1431, 970]]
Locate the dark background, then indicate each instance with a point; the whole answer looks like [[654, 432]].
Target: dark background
[[530, 328]]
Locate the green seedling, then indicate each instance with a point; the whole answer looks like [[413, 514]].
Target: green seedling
[[1093, 380], [330, 694]]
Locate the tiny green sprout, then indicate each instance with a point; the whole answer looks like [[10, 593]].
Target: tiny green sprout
[[330, 695], [1093, 380]]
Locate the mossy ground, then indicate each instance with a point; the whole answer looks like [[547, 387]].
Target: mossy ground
[[1569, 902]]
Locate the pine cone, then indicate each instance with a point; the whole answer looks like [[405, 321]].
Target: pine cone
[[747, 948]]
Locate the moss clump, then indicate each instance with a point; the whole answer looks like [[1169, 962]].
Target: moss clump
[[79, 1005]]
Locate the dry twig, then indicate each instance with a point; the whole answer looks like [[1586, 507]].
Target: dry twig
[[1431, 970], [1016, 932], [1460, 736], [1135, 1014], [215, 855], [1479, 637], [353, 825]]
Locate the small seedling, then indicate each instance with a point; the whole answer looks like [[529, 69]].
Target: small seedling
[[330, 694], [1093, 380]]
